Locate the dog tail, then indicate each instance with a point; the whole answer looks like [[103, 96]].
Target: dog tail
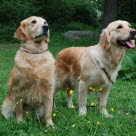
[[8, 108]]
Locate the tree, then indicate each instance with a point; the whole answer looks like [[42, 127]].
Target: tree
[[110, 7]]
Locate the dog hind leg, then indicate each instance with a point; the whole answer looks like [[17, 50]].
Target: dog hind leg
[[8, 108]]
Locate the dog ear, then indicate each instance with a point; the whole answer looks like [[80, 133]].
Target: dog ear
[[20, 32], [47, 39], [105, 39]]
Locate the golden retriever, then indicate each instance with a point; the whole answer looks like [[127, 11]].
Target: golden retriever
[[95, 67], [32, 79]]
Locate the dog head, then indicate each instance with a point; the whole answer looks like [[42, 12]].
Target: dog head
[[118, 33], [33, 28]]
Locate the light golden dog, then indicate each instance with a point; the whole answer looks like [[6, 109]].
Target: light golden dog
[[95, 66], [31, 82]]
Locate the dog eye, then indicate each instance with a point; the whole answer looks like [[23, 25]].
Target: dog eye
[[45, 23], [119, 27], [34, 21]]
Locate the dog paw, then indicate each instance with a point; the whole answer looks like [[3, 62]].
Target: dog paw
[[109, 116], [70, 105], [19, 120], [51, 126], [82, 112]]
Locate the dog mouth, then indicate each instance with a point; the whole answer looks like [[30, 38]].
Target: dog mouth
[[43, 35], [126, 43]]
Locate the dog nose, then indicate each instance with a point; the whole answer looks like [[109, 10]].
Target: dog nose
[[45, 27], [133, 32]]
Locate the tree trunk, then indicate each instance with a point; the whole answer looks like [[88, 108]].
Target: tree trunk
[[110, 7]]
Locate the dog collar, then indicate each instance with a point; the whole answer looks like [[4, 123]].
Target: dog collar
[[106, 73], [36, 52]]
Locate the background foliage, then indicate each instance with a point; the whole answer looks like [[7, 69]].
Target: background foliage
[[60, 14], [126, 10]]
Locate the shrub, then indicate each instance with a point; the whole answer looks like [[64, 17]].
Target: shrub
[[7, 33], [64, 11], [17, 10], [85, 12], [129, 66], [12, 12]]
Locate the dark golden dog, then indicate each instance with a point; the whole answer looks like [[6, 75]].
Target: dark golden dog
[[31, 82]]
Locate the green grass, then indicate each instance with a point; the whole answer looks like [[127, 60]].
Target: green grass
[[122, 99]]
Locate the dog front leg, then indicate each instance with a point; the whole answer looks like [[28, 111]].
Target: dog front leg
[[102, 97], [48, 104], [82, 97], [19, 109], [69, 98]]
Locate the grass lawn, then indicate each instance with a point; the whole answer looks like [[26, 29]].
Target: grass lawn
[[122, 98]]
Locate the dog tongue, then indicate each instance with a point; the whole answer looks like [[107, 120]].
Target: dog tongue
[[130, 44]]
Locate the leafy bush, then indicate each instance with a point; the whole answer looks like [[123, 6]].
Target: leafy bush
[[7, 33], [14, 11], [64, 11], [17, 10], [84, 12], [133, 25], [129, 66]]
